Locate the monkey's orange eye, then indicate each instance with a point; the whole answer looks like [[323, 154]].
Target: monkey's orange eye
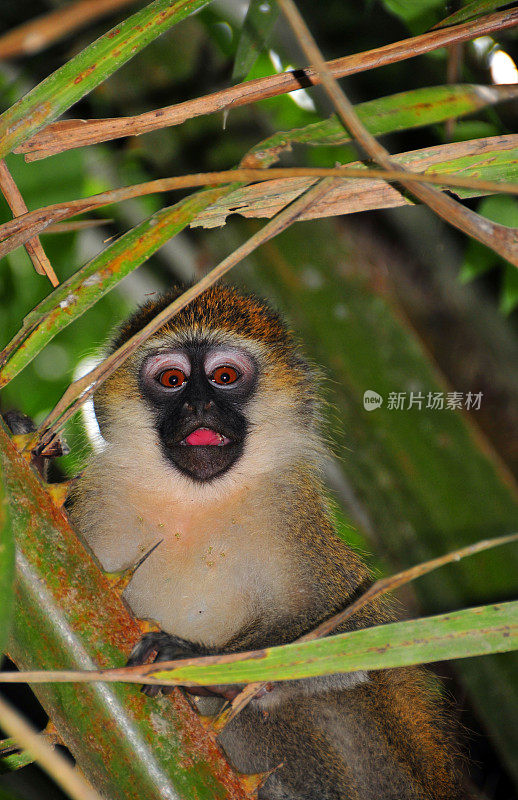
[[172, 378], [223, 376]]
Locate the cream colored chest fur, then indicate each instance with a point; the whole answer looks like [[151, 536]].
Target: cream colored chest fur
[[219, 567]]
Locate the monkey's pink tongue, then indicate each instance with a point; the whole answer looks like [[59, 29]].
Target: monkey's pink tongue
[[204, 436]]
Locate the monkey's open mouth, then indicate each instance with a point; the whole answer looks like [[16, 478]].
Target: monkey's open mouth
[[204, 453], [203, 437]]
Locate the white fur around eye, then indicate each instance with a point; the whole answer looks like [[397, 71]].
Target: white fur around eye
[[230, 357], [156, 364]]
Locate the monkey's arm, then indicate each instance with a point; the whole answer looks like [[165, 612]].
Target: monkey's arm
[[168, 647]]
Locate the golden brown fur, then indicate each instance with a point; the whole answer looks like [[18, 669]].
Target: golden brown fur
[[251, 559]]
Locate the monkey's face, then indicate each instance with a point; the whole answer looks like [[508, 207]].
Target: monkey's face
[[218, 396], [198, 393]]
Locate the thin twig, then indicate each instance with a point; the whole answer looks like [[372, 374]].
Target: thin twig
[[70, 780], [144, 673], [80, 390], [77, 225], [60, 136], [17, 205], [14, 233], [35, 35], [453, 72], [501, 239]]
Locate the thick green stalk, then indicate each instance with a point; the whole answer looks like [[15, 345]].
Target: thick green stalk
[[6, 565], [127, 745]]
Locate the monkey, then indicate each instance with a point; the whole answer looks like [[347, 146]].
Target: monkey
[[213, 446]]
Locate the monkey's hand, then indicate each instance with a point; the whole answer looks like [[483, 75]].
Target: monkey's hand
[[169, 648]]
